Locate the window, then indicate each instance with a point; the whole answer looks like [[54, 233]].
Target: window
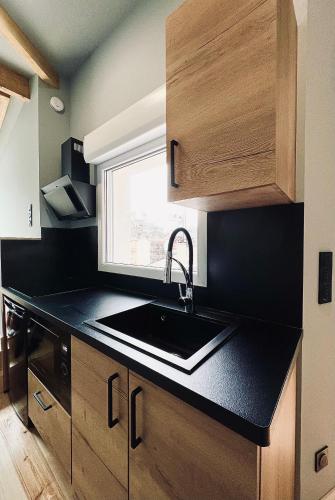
[[136, 219]]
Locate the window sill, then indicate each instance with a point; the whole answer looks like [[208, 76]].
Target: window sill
[[149, 273]]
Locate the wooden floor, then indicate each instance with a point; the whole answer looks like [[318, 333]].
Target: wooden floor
[[27, 469]]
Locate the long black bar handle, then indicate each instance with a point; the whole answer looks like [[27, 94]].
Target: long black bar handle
[[41, 402], [173, 144], [134, 440], [111, 421]]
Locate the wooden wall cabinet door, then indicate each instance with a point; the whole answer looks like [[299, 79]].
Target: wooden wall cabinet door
[[231, 102], [99, 425]]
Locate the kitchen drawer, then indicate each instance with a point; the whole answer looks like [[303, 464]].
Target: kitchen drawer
[[53, 424], [100, 366]]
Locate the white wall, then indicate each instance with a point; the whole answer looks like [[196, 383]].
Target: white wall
[[126, 67], [54, 129], [318, 352]]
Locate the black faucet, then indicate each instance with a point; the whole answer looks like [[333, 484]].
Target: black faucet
[[187, 299]]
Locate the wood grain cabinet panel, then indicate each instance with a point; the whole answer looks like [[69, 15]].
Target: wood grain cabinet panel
[[100, 366], [99, 436], [231, 102], [54, 424], [278, 460], [162, 448], [92, 480], [186, 455]]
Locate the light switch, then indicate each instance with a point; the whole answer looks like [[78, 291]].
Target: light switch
[[325, 277]]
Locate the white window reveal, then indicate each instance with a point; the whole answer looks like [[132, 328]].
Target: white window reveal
[[136, 220]]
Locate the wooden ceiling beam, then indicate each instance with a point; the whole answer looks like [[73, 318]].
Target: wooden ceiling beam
[[12, 83], [4, 102], [14, 35]]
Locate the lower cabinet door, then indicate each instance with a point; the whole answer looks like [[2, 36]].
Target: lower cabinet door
[[51, 421], [178, 452], [91, 478], [99, 425]]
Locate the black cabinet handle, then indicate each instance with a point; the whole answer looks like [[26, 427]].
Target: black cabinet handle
[[173, 144], [134, 440], [41, 402], [111, 421]]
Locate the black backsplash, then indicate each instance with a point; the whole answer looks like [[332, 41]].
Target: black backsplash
[[64, 259], [255, 264]]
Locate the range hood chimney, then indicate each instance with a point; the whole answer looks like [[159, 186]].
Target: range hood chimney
[[72, 196]]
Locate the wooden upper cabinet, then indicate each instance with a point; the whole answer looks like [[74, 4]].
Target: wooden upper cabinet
[[231, 102]]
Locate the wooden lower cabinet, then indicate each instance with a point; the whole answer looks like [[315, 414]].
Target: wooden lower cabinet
[[53, 424], [162, 448], [99, 425], [186, 455]]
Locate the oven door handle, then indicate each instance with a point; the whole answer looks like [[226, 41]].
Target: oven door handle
[[16, 314], [11, 306], [41, 402]]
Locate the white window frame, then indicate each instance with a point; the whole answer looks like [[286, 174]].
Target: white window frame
[[154, 147]]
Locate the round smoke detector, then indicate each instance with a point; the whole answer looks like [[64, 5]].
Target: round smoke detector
[[57, 104]]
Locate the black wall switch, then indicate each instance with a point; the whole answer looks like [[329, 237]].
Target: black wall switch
[[325, 277]]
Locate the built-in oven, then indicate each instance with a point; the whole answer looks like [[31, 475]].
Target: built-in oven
[[49, 358]]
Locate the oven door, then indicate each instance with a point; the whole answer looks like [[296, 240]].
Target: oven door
[[15, 358], [49, 359]]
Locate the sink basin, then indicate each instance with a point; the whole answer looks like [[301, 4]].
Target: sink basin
[[178, 338]]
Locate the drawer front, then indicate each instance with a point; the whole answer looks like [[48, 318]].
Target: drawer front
[[53, 423], [100, 366]]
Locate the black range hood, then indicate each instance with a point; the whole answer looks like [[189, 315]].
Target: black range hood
[[72, 196]]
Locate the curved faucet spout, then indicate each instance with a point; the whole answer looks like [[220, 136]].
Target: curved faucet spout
[[187, 299]]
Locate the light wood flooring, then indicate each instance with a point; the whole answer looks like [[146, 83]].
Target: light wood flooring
[[27, 468]]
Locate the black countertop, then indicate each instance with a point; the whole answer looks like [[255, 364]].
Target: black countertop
[[239, 384]]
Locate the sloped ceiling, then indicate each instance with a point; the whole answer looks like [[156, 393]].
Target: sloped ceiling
[[65, 31]]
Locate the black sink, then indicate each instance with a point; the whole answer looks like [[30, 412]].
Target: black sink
[[178, 338]]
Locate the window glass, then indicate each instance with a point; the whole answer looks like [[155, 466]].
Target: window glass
[[139, 217]]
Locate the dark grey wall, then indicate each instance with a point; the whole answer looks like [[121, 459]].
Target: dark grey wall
[[255, 264]]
